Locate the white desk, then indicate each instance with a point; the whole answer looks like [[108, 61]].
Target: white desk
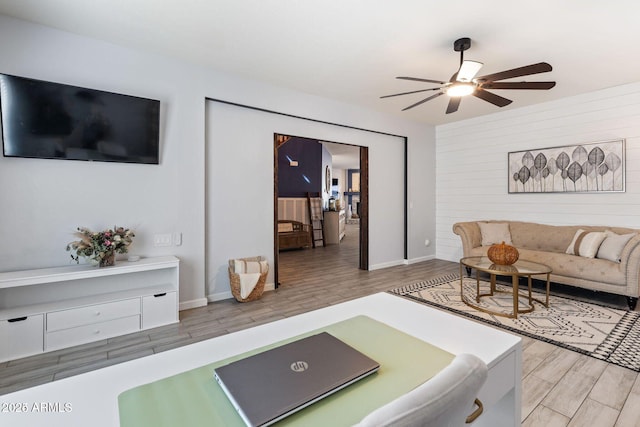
[[91, 398]]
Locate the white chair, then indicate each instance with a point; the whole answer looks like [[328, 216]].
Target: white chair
[[446, 400]]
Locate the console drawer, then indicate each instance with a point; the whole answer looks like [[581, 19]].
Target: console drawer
[[73, 317], [159, 309], [21, 337], [94, 332]]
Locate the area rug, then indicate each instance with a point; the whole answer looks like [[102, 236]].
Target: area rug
[[605, 333]]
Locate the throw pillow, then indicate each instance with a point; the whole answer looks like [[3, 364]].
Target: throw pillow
[[586, 243], [613, 246], [494, 232]]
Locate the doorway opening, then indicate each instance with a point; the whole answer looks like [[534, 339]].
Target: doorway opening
[[333, 178]]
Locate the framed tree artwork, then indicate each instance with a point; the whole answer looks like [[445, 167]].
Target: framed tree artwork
[[583, 168]]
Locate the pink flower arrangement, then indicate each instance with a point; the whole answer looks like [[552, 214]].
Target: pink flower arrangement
[[97, 245]]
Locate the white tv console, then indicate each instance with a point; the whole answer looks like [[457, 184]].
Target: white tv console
[[53, 308]]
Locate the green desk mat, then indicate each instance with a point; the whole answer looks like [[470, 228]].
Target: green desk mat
[[194, 398]]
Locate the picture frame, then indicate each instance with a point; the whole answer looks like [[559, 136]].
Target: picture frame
[[597, 167]]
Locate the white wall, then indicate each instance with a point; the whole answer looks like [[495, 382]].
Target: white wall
[[43, 201], [472, 164], [341, 176], [240, 187]]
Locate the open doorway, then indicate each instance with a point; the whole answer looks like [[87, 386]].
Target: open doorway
[[329, 176]]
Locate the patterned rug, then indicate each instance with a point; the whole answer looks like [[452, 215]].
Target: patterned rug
[[606, 333]]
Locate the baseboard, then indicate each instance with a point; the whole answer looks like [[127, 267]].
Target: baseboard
[[186, 305], [420, 259], [228, 295], [400, 262], [387, 264]]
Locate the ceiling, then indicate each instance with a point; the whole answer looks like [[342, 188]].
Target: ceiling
[[343, 156], [351, 50]]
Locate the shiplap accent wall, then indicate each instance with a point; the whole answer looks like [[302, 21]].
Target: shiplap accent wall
[[471, 164]]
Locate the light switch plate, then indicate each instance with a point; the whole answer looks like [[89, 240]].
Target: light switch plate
[[162, 240]]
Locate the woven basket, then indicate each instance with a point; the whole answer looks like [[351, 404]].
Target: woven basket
[[234, 279]]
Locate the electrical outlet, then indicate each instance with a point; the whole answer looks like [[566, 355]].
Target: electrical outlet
[[162, 240]]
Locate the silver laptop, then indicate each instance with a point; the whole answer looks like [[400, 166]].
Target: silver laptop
[[271, 385]]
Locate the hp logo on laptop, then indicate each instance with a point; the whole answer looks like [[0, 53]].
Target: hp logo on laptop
[[299, 366]]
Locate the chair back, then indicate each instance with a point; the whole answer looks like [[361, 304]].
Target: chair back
[[446, 400]]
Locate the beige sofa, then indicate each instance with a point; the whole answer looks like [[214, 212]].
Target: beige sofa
[[548, 244]]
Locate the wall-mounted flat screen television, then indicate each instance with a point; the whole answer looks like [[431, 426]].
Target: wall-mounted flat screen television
[[57, 121]]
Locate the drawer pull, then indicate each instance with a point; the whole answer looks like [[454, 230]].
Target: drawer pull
[[97, 313], [17, 319], [160, 295], [97, 331]]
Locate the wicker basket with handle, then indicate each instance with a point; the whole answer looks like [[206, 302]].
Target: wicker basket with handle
[[234, 279]]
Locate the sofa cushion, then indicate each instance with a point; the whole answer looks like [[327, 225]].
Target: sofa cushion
[[597, 270], [611, 248], [586, 243], [541, 237], [494, 232]]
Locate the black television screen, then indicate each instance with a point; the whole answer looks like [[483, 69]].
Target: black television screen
[[56, 121]]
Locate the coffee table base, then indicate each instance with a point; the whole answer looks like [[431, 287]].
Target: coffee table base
[[515, 291]]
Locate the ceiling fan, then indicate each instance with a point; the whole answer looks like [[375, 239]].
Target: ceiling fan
[[464, 82]]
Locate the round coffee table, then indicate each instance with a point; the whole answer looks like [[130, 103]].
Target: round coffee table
[[521, 268]]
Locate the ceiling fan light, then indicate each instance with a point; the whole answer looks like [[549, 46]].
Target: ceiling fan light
[[460, 89], [468, 70]]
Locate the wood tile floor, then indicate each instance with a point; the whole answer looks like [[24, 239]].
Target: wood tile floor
[[560, 387]]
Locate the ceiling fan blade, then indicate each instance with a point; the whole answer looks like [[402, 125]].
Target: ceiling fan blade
[[408, 93], [454, 103], [423, 101], [519, 85], [541, 67], [468, 70], [415, 79], [491, 97]]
